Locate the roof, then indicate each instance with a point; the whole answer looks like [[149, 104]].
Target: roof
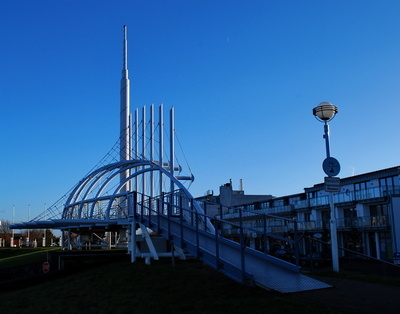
[[378, 174]]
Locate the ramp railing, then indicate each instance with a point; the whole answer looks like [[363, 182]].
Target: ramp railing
[[183, 222]]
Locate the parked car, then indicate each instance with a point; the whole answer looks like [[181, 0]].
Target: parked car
[[315, 259]]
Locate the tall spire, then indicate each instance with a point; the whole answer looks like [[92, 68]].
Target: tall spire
[[125, 54], [125, 125]]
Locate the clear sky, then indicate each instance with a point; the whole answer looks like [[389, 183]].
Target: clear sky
[[243, 77]]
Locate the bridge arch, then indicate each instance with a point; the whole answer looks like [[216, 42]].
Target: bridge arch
[[104, 186]]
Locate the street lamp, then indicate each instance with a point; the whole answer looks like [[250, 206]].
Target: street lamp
[[325, 112]]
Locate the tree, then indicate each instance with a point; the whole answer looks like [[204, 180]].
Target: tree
[[5, 232], [35, 235], [50, 237]]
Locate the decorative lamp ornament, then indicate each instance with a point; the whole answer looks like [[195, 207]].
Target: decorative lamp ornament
[[325, 111]]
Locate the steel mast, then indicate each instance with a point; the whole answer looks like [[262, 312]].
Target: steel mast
[[125, 119]]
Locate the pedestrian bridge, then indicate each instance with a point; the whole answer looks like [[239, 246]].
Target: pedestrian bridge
[[99, 207]]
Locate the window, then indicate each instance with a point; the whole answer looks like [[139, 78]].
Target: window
[[326, 216], [350, 217], [278, 202], [361, 190], [264, 205], [378, 210], [311, 195], [360, 186], [378, 215], [249, 207], [387, 185]]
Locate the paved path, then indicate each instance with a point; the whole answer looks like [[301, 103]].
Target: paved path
[[351, 296]]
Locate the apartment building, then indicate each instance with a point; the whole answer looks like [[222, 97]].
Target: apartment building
[[367, 216]]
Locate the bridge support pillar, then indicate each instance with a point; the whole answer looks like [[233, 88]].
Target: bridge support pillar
[[69, 240], [132, 240], [149, 242]]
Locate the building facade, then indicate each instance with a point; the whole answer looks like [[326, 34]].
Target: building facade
[[367, 216]]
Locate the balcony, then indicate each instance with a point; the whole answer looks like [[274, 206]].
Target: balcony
[[271, 226], [234, 212], [363, 223], [313, 225], [349, 196], [366, 222]]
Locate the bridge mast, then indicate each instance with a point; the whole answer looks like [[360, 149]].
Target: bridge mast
[[125, 119]]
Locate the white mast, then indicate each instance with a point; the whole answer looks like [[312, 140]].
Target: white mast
[[144, 124], [152, 148], [161, 145], [172, 148], [125, 133], [12, 235]]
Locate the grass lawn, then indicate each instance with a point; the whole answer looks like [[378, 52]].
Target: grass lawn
[[123, 287], [11, 257]]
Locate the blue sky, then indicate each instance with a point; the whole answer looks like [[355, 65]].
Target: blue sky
[[243, 77]]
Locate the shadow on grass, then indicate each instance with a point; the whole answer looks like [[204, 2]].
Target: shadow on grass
[[122, 287]]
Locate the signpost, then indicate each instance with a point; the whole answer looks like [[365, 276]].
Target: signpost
[[332, 184], [46, 267], [331, 166]]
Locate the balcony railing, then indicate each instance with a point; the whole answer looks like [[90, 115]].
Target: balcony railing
[[270, 226], [349, 196], [365, 222], [234, 212]]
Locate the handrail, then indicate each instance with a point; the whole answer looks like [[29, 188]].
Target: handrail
[[269, 226]]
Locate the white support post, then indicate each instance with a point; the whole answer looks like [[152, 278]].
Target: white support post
[[13, 233], [132, 244], [378, 246], [144, 148], [334, 242], [152, 149], [136, 144], [172, 148], [161, 146], [149, 242], [78, 242], [69, 240], [129, 155], [180, 252]]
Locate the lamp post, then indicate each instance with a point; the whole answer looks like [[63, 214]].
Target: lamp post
[[325, 112]]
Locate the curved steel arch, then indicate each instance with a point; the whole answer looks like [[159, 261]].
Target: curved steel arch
[[93, 177], [79, 195], [76, 192], [138, 163]]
